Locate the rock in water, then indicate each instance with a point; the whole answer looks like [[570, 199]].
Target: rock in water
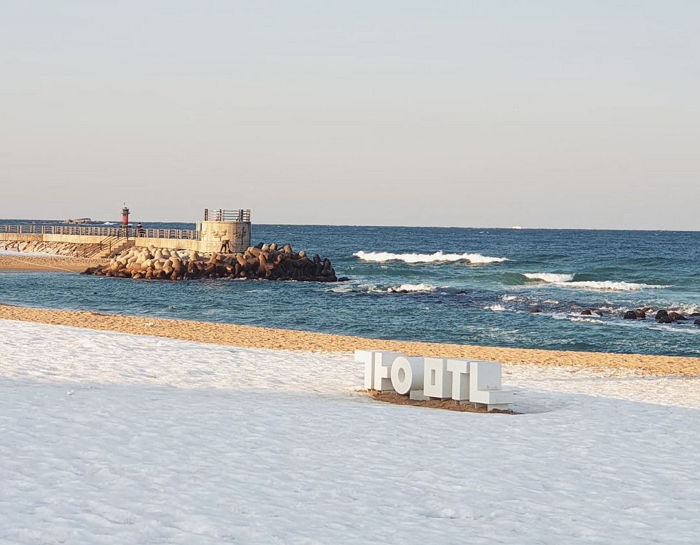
[[663, 318], [630, 315]]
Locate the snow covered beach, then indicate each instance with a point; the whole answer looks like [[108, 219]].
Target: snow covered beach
[[292, 339], [114, 438]]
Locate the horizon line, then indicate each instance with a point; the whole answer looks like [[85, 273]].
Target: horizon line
[[510, 228]]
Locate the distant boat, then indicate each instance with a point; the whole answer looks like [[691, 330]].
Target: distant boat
[[81, 221], [108, 223], [517, 227]]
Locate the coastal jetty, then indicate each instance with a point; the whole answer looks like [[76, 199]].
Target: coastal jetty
[[264, 261], [220, 230], [219, 247]]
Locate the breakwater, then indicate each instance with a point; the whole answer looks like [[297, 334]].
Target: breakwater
[[264, 261]]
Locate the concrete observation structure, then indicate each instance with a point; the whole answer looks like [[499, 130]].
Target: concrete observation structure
[[227, 230]]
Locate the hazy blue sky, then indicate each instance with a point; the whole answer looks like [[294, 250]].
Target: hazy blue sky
[[491, 113]]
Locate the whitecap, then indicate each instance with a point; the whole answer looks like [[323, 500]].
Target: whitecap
[[412, 288], [607, 285], [343, 288], [508, 298], [495, 308], [437, 257], [549, 277], [567, 281], [586, 320], [691, 331], [685, 309]]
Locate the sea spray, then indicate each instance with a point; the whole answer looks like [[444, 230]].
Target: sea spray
[[437, 257]]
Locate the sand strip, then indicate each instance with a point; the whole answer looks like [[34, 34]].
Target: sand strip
[[282, 339]]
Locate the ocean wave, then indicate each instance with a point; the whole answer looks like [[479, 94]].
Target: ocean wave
[[686, 309], [607, 285], [437, 257], [567, 281], [343, 288], [552, 278], [495, 307], [373, 288], [507, 298], [411, 288], [586, 320], [691, 331]]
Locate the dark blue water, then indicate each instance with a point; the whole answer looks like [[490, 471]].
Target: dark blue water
[[488, 302]]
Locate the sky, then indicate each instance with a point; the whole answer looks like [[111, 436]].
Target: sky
[[540, 113]]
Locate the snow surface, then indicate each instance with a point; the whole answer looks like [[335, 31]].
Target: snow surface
[[107, 438]]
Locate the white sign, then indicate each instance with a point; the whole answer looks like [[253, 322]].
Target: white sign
[[435, 378]]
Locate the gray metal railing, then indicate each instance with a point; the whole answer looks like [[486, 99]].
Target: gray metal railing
[[238, 215], [119, 232], [185, 234]]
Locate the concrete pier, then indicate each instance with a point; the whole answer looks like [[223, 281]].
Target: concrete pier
[[221, 230]]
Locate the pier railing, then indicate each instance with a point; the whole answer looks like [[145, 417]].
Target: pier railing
[[238, 215], [186, 234], [118, 232]]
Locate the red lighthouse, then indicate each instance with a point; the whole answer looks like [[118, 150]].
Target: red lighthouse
[[125, 216]]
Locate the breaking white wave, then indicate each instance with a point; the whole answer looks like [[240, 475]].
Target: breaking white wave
[[343, 288], [412, 288], [508, 298], [567, 281], [373, 288], [607, 285], [691, 331], [685, 309], [586, 320], [495, 307], [549, 277], [437, 257]]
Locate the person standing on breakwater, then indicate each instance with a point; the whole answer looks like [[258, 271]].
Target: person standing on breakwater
[[225, 247]]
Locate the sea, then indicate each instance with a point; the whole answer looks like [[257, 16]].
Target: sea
[[523, 288]]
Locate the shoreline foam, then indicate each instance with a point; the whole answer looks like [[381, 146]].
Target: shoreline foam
[[283, 339]]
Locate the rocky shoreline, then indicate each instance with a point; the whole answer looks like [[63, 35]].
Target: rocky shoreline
[[264, 261], [66, 249], [662, 316]]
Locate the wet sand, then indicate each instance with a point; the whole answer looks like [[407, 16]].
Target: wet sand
[[282, 339], [46, 263]]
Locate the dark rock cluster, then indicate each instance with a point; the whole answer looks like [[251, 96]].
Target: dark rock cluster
[[264, 261], [662, 316]]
